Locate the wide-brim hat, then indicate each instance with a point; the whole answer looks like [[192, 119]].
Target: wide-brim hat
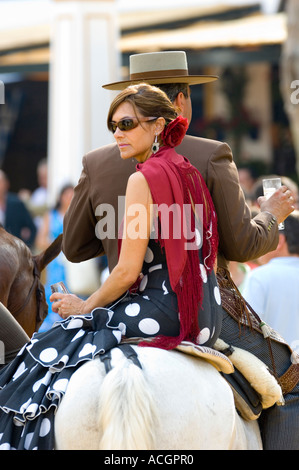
[[156, 68]]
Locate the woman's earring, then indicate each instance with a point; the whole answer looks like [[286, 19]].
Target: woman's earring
[[156, 145]]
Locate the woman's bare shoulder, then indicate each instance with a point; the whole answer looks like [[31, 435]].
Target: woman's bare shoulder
[[137, 180]]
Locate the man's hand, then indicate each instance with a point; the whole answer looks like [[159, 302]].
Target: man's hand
[[280, 204]]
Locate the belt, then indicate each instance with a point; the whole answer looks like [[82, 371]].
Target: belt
[[289, 379]]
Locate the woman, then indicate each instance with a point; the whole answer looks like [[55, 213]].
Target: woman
[[175, 299]]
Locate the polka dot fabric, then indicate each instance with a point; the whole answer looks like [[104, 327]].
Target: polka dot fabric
[[33, 385]]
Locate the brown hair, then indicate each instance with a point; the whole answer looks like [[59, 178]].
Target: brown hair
[[147, 100], [291, 232], [172, 90]]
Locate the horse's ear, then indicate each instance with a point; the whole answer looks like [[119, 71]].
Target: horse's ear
[[44, 258]]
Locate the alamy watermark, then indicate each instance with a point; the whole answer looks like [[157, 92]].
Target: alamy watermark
[[2, 92], [295, 95], [174, 221]]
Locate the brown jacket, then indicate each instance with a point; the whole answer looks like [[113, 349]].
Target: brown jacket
[[104, 177]]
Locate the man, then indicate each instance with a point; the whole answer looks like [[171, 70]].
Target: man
[[272, 289], [38, 201], [14, 216], [104, 178]]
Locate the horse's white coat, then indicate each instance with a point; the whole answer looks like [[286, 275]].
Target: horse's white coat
[[176, 402]]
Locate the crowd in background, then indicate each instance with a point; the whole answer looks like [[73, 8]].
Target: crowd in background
[[270, 283]]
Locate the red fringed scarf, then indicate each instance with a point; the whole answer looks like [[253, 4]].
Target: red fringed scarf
[[174, 181]]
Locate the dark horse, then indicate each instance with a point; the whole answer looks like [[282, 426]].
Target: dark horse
[[21, 290]]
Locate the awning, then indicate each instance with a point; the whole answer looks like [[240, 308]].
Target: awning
[[245, 32], [29, 46]]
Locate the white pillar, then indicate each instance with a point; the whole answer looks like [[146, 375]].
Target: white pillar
[[84, 56]]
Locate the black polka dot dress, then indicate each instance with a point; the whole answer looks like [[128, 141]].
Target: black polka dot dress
[[33, 384]]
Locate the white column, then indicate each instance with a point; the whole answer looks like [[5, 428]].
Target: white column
[[84, 56]]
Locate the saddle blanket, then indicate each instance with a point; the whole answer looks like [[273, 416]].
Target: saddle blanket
[[221, 362]]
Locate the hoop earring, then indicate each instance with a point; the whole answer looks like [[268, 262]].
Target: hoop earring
[[156, 145]]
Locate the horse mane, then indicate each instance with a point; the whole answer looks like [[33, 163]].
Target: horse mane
[[21, 290], [44, 258]]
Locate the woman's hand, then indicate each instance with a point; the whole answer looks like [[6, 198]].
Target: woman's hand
[[67, 304]]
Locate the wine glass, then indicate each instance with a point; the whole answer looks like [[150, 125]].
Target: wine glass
[[59, 287]]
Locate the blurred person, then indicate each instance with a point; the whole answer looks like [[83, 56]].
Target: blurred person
[[247, 180], [241, 237], [50, 228], [40, 194], [38, 201], [14, 216], [239, 273], [272, 288]]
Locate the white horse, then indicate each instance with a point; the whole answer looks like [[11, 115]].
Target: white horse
[[175, 402]]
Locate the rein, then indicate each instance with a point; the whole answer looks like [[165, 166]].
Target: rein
[[34, 286]]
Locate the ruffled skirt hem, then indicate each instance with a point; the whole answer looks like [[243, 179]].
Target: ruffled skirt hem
[[33, 385]]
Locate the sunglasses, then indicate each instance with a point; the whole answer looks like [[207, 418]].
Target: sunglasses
[[128, 124]]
